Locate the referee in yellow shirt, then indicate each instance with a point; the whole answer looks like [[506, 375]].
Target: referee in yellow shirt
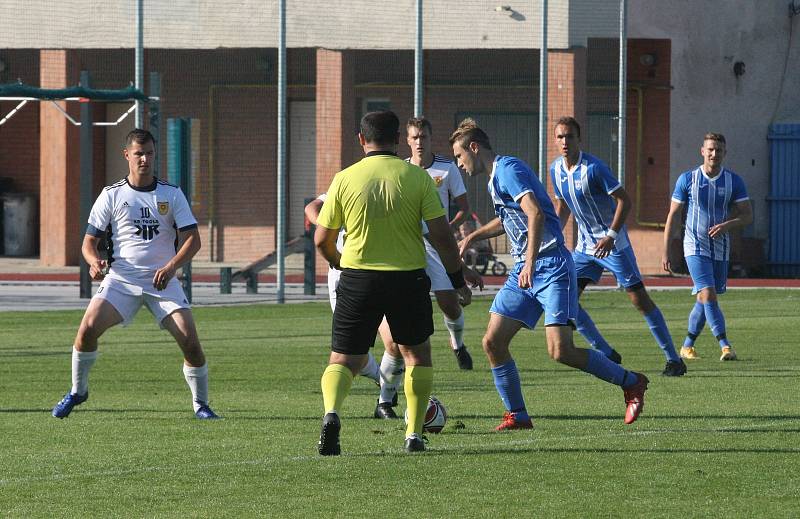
[[381, 201]]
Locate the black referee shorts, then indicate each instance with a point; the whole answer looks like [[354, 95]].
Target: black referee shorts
[[363, 297]]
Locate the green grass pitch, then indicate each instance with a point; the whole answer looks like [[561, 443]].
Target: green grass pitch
[[719, 442]]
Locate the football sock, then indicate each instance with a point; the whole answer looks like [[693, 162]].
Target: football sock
[[371, 370], [601, 367], [658, 327], [392, 369], [336, 381], [82, 362], [506, 380], [456, 329], [716, 321], [589, 331], [418, 385], [197, 378], [697, 320]]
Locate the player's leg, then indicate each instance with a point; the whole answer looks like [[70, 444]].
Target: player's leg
[[588, 271], [447, 299], [697, 320], [180, 324], [100, 315], [710, 278], [622, 263], [355, 322], [409, 314], [391, 372], [555, 288], [370, 369]]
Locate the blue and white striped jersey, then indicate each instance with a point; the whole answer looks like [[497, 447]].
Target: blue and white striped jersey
[[511, 178], [587, 191], [708, 202]]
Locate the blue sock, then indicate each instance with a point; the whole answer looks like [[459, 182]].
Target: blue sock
[[589, 332], [717, 322], [697, 320], [602, 368], [506, 380], [658, 327]]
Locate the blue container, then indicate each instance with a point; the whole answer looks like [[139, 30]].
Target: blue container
[[784, 200]]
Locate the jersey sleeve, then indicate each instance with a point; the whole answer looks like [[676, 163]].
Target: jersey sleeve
[[738, 190], [184, 219], [602, 175], [100, 216], [681, 193], [431, 206], [517, 179], [455, 182], [556, 184], [331, 216]]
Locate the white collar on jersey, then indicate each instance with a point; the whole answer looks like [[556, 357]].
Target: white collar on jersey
[[711, 179], [576, 166]]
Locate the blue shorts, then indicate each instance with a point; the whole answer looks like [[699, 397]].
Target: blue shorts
[[708, 273], [621, 263], [554, 292]]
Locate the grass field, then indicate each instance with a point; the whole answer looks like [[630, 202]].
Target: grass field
[[719, 442]]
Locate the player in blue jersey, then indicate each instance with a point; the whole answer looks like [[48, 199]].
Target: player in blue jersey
[[150, 232], [541, 282], [709, 193], [584, 186]]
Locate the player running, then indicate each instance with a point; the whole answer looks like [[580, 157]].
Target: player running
[[542, 280], [144, 221], [583, 185], [709, 191]]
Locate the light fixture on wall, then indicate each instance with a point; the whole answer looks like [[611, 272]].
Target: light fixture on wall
[[648, 60], [738, 69], [504, 9]]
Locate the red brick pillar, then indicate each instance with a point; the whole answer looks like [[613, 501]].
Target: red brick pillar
[[566, 95], [336, 122], [59, 229]]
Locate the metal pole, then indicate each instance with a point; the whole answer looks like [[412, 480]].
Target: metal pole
[[139, 122], [86, 149], [623, 89], [418, 64], [543, 132], [281, 219], [155, 118]]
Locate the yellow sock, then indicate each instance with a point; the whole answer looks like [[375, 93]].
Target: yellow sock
[[418, 385], [336, 381]]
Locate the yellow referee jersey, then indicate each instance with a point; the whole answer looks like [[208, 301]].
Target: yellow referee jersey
[[381, 200]]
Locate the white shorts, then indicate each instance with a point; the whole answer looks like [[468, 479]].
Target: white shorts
[[435, 270], [333, 282], [127, 298]]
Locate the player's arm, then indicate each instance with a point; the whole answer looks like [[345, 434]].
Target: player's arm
[[484, 232], [312, 210], [97, 265], [670, 228], [441, 237], [742, 217], [325, 241], [562, 210], [463, 210], [535, 216], [606, 244], [188, 245]]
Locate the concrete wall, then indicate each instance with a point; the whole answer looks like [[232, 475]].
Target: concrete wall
[[206, 24], [708, 96]]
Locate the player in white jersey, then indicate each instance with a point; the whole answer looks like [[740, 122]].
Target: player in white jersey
[[449, 183], [709, 192], [584, 186], [151, 233]]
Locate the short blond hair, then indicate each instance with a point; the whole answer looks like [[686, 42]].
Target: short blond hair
[[714, 137], [467, 132]]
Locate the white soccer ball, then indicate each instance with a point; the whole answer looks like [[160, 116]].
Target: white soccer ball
[[435, 416]]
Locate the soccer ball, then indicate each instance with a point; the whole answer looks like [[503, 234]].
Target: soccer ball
[[435, 416]]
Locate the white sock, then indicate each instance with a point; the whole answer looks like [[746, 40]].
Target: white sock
[[371, 370], [456, 329], [392, 369], [82, 362], [197, 378]]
